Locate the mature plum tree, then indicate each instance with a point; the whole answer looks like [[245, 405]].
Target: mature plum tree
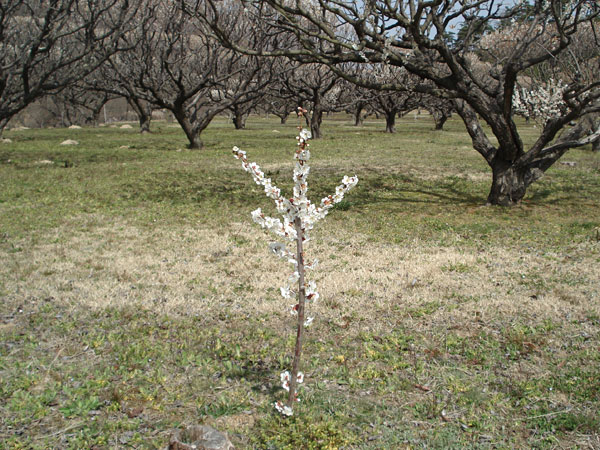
[[391, 103], [280, 102], [413, 34], [46, 45], [320, 86], [109, 79], [441, 109], [280, 99], [359, 108]]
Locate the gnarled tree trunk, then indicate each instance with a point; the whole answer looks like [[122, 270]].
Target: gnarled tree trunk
[[144, 123], [440, 118], [588, 124], [512, 178], [144, 112], [239, 118], [508, 184], [390, 121], [191, 132], [283, 118], [239, 121], [316, 119], [359, 117]]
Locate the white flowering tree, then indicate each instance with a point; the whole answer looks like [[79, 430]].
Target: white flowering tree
[[299, 216]]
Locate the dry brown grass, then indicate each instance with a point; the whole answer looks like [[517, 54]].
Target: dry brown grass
[[200, 271]]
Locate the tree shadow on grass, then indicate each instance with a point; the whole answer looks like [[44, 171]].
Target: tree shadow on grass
[[454, 191]]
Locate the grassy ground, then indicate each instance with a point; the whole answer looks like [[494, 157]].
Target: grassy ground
[[137, 296]]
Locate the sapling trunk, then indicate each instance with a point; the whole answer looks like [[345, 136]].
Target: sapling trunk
[[301, 304]]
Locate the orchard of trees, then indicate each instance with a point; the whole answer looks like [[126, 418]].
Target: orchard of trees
[[486, 61]]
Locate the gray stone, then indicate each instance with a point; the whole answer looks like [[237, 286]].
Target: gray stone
[[200, 437]]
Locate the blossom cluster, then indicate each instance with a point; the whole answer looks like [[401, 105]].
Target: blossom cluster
[[291, 208], [298, 217], [285, 384], [542, 103]]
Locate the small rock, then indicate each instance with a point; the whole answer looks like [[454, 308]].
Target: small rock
[[69, 142], [44, 162], [134, 412], [6, 141], [125, 437], [75, 127], [569, 163], [126, 126], [276, 131], [200, 437], [124, 146]]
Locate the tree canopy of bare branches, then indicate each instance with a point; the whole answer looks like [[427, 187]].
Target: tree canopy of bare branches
[[46, 45], [479, 77]]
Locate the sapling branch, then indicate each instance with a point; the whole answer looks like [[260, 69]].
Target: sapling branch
[[299, 217]]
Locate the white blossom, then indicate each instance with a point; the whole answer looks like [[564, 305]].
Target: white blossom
[[294, 309], [311, 291], [312, 265], [305, 134], [285, 380], [541, 103], [286, 292], [283, 409], [293, 278]]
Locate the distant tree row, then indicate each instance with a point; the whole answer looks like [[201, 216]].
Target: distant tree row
[[77, 55]]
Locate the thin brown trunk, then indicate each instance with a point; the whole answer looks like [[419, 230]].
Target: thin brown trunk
[[301, 305]]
